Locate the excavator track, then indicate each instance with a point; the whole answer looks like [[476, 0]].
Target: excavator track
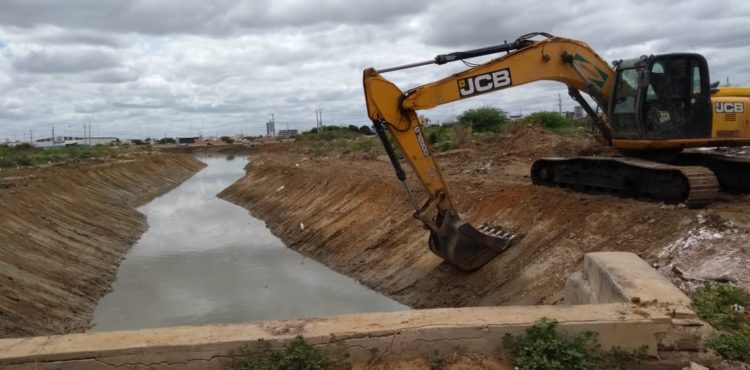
[[629, 177], [732, 172]]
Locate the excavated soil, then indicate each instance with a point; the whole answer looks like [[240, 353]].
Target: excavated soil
[[349, 212], [64, 230]]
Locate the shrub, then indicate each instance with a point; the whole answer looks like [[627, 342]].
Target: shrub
[[298, 355], [542, 347], [484, 119]]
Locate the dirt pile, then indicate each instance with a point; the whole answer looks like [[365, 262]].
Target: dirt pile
[[64, 230], [352, 215]]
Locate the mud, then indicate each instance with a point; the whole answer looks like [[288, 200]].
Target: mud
[[349, 212], [64, 230]]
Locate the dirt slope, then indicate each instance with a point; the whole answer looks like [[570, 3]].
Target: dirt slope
[[352, 215], [64, 230]]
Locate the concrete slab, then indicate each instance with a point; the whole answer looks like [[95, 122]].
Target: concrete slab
[[609, 277], [398, 335], [634, 307]]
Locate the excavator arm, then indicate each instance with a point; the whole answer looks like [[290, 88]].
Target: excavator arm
[[556, 59]]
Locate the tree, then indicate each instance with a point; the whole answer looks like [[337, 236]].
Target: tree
[[167, 140], [365, 130], [227, 139], [484, 119]]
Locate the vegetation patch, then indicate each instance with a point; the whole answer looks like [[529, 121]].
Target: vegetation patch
[[343, 140], [449, 136], [298, 355], [557, 123], [543, 347], [724, 307], [26, 155]]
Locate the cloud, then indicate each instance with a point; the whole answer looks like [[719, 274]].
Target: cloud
[[62, 61]]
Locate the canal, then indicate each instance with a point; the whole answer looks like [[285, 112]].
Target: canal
[[204, 260]]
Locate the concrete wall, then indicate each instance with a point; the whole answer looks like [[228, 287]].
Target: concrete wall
[[632, 308]]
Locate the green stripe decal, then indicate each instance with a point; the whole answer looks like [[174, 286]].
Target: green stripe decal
[[602, 74]]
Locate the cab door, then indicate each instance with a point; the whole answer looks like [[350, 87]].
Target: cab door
[[676, 104]]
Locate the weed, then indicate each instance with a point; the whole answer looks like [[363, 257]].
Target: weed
[[298, 355], [718, 304], [543, 347], [731, 345], [437, 362]]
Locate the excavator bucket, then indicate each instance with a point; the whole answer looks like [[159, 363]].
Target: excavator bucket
[[464, 245]]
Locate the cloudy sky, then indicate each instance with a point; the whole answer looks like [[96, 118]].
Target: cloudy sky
[[137, 68]]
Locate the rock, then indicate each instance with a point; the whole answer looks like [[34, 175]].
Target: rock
[[694, 366]]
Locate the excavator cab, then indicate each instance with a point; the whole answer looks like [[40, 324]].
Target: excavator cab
[[662, 97]]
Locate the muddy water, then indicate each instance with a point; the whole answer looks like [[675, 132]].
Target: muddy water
[[204, 260]]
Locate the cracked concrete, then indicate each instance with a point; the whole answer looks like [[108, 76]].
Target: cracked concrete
[[654, 322]]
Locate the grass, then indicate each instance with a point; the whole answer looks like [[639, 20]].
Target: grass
[[543, 347], [554, 122], [26, 155], [723, 306]]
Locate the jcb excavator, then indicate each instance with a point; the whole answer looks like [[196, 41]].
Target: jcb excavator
[[651, 108]]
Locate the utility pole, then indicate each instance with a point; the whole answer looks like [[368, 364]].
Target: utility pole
[[319, 119], [559, 103]]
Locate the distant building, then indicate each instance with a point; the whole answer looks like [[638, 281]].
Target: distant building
[[58, 141], [578, 111], [186, 140], [271, 128], [287, 133]]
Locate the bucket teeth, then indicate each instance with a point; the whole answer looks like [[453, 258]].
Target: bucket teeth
[[495, 231]]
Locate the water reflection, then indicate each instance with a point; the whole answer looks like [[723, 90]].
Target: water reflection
[[205, 260]]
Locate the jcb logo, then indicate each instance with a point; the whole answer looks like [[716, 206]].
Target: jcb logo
[[729, 107], [484, 83]]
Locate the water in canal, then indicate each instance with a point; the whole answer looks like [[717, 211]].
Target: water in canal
[[204, 260]]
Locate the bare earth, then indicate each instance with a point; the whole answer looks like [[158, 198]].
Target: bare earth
[[64, 230], [349, 212]]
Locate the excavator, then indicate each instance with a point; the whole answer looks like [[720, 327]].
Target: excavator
[[649, 108]]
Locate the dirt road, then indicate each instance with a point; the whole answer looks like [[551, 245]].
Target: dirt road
[[64, 230], [349, 212]]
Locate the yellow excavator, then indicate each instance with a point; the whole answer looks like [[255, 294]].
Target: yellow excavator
[[650, 108]]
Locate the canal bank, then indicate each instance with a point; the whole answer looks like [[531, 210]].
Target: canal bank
[[205, 260], [65, 228]]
